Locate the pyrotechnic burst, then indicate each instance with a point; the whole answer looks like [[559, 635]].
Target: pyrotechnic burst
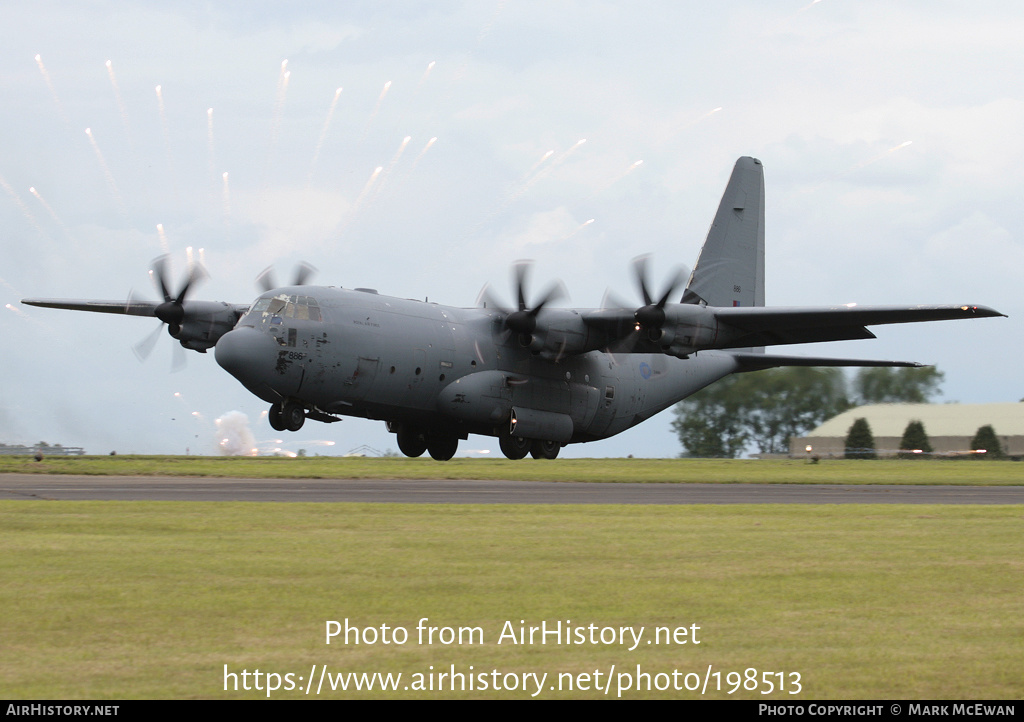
[[165, 133], [576, 230], [359, 201], [111, 183], [376, 109], [49, 84], [21, 205], [164, 246], [227, 200], [210, 155], [323, 134], [120, 103], [52, 213]]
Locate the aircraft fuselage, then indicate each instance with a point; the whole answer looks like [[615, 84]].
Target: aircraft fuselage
[[444, 369]]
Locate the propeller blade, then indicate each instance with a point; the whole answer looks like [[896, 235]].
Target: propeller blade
[[521, 270], [158, 273], [303, 272], [265, 281], [523, 319], [556, 292], [178, 358], [196, 274], [677, 280], [652, 314], [145, 347], [640, 273]]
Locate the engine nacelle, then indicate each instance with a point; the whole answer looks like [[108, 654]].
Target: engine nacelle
[[560, 333], [687, 328], [203, 323]]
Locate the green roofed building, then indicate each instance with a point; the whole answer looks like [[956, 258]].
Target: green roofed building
[[950, 428]]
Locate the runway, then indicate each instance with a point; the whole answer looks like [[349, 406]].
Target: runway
[[404, 491]]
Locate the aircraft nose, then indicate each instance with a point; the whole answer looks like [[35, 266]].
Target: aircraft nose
[[239, 352]]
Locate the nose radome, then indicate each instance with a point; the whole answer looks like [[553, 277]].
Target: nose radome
[[239, 352]]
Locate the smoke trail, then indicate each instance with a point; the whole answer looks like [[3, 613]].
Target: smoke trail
[[234, 437], [111, 183], [323, 135], [21, 205], [49, 84], [120, 106], [165, 132], [53, 214]]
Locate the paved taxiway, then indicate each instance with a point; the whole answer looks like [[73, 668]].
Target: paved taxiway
[[134, 488]]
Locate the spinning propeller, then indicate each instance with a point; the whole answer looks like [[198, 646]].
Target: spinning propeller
[[171, 312], [651, 316], [303, 272], [523, 320]]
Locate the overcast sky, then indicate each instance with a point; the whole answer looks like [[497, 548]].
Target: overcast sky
[[890, 134]]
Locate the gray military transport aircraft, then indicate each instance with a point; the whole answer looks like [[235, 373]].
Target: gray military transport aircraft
[[536, 377]]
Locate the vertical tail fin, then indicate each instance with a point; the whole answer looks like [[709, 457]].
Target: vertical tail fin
[[730, 268]]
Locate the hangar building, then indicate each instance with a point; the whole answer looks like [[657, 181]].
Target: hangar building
[[950, 428]]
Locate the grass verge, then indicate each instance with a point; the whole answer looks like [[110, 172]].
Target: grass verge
[[151, 600], [726, 471]]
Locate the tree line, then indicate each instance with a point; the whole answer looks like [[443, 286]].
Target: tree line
[[860, 442], [767, 408]]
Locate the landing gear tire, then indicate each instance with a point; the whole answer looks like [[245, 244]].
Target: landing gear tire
[[442, 448], [544, 449], [293, 416], [411, 442], [275, 419], [514, 447]]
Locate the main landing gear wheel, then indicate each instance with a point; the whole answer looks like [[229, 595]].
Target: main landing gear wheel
[[293, 416], [442, 448], [411, 442], [514, 447], [275, 419], [544, 449]]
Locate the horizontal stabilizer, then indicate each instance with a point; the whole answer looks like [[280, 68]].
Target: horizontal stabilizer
[[759, 362]]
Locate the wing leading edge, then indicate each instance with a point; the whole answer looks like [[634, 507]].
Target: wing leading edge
[[761, 326]]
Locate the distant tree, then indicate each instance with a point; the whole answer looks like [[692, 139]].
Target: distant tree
[[884, 385], [986, 439], [789, 402], [707, 423], [914, 437], [765, 408], [860, 442]]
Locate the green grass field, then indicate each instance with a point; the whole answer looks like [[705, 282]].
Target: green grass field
[[111, 600], [889, 471]]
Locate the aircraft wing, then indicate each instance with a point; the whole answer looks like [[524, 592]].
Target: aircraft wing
[[130, 308], [690, 327], [763, 326]]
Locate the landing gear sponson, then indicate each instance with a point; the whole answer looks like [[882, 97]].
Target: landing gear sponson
[[413, 442]]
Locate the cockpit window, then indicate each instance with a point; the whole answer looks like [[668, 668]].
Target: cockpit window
[[302, 308]]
